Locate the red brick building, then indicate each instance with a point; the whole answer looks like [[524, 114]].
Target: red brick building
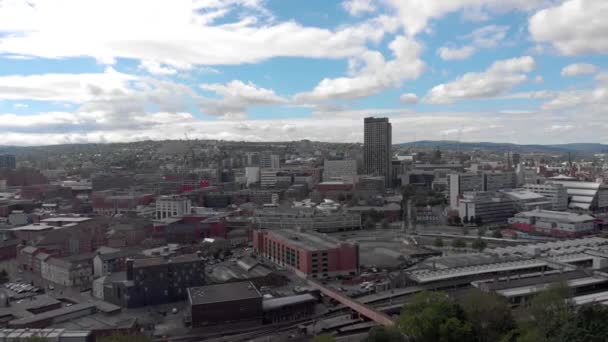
[[308, 254]]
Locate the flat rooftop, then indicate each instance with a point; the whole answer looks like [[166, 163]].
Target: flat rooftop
[[65, 219], [557, 215], [35, 227], [309, 241], [223, 293]]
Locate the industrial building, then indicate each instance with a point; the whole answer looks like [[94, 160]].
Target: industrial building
[[216, 304], [307, 254], [57, 335], [553, 223], [225, 303]]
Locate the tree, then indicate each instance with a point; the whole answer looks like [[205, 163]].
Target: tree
[[490, 315], [589, 325], [459, 243], [457, 220], [324, 338], [382, 334], [497, 234], [433, 316], [438, 242], [479, 221], [465, 220], [550, 310], [479, 245]]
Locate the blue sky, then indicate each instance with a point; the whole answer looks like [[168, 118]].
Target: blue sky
[[523, 71]]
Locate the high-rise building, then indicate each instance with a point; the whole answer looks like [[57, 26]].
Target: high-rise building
[[7, 161], [377, 148], [270, 161]]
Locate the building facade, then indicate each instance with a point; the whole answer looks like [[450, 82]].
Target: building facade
[[553, 223], [333, 169], [307, 254], [377, 153], [556, 193], [172, 206], [7, 161], [489, 207]]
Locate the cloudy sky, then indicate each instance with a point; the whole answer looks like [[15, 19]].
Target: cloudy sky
[[522, 71]]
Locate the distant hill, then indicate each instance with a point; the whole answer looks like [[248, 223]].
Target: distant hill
[[505, 147]]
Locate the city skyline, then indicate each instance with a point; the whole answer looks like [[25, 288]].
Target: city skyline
[[525, 72]]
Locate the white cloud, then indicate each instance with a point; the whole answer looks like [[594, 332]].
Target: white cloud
[[488, 36], [539, 79], [358, 7], [415, 14], [236, 98], [482, 38], [156, 68], [574, 27], [371, 73], [578, 69], [408, 98], [339, 126], [501, 77], [20, 105], [177, 34], [464, 52], [75, 88]]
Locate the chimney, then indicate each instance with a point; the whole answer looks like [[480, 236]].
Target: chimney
[[129, 263]]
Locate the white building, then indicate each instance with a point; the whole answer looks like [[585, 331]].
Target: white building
[[172, 206], [526, 200], [459, 183], [556, 193], [490, 207], [554, 223], [588, 196], [252, 174]]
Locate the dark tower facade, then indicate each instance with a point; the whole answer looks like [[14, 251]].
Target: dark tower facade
[[377, 152]]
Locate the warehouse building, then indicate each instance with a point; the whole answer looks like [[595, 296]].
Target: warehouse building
[[553, 223], [232, 302]]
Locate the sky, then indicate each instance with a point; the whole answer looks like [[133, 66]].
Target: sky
[[519, 71]]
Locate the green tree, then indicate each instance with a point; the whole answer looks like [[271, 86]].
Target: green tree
[[459, 243], [549, 311], [465, 220], [589, 325], [479, 245], [479, 221], [481, 231], [497, 234], [383, 334], [438, 242], [323, 338], [457, 220], [490, 315], [433, 316]]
